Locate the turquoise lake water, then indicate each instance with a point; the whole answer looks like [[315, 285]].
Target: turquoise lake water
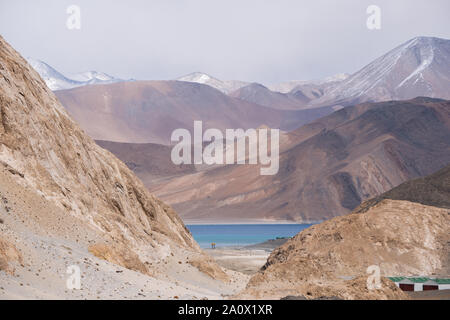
[[225, 235]]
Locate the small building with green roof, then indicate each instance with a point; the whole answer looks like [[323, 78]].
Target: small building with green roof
[[421, 283]]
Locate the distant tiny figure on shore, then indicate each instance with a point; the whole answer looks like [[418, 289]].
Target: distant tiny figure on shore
[[213, 245]]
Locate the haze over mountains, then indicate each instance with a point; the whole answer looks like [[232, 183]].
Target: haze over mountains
[[418, 67], [149, 111], [288, 86], [326, 167]]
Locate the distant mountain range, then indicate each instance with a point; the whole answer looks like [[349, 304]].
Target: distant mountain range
[[418, 67], [327, 167], [55, 80], [149, 111]]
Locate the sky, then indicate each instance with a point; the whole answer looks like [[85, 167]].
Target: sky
[[253, 40]]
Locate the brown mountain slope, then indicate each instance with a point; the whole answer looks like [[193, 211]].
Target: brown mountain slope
[[46, 157], [148, 161], [326, 167], [149, 111], [400, 237], [433, 190]]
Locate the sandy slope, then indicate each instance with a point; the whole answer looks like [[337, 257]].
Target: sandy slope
[[49, 241]]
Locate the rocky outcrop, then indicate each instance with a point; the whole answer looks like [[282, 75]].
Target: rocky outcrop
[[8, 255], [119, 254], [208, 266]]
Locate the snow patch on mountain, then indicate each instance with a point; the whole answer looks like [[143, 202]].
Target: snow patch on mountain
[[427, 56], [226, 86], [419, 67], [55, 80]]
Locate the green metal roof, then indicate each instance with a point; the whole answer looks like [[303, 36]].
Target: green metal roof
[[442, 281], [420, 279], [396, 279]]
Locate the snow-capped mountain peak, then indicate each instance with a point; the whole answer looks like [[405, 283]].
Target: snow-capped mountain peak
[[226, 86], [418, 67], [91, 76], [55, 80], [197, 77]]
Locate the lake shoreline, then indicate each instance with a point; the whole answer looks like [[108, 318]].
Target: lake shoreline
[[239, 236], [245, 259], [195, 222]]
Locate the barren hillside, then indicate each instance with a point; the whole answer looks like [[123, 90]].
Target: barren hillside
[[61, 190]]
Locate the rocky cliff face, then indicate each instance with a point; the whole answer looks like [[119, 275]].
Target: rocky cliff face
[[46, 151], [8, 254]]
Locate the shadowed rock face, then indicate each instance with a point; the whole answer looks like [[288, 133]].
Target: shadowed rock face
[[326, 167], [43, 149], [433, 190]]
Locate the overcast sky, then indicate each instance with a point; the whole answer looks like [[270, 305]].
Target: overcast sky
[[255, 40]]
